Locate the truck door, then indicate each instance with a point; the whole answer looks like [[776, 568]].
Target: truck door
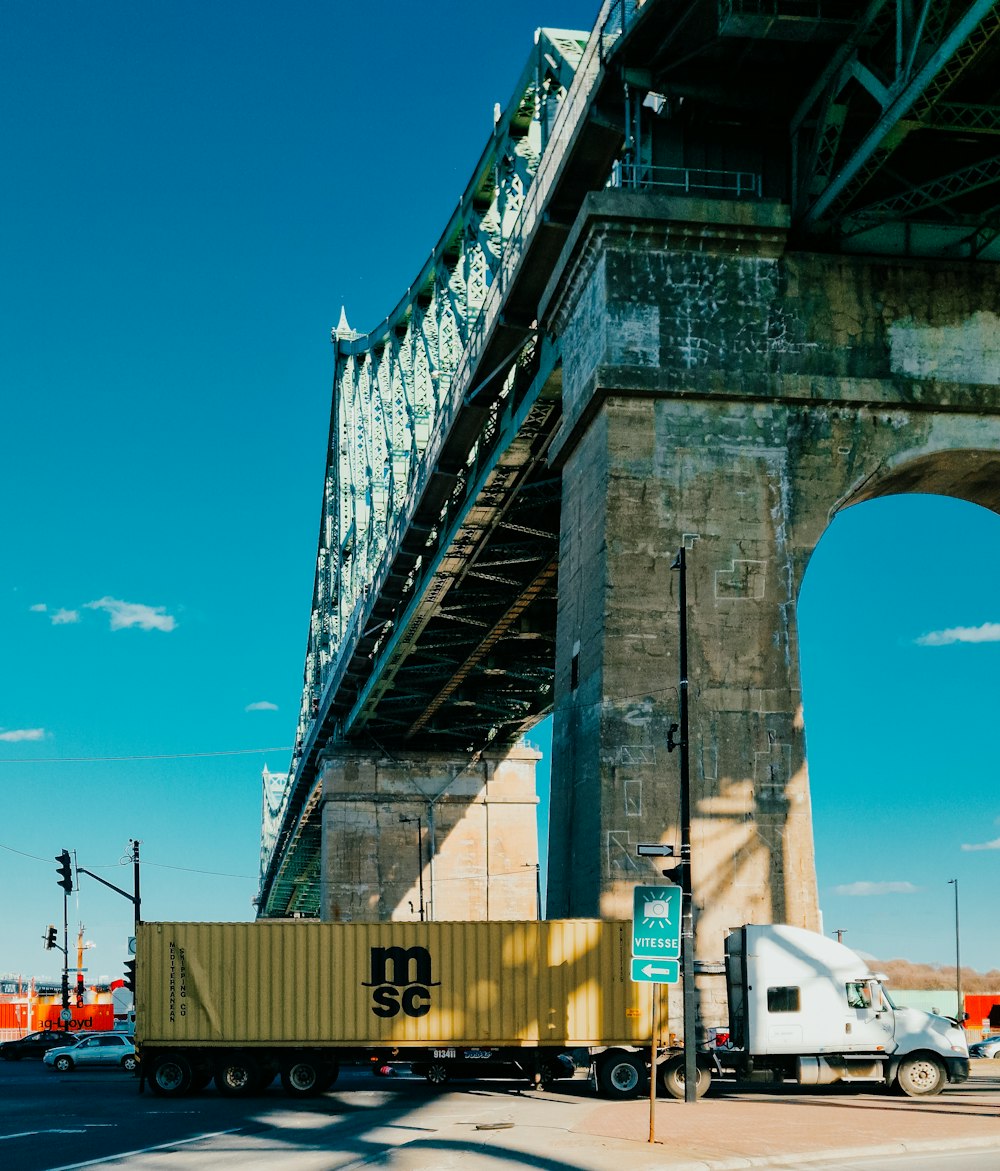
[[868, 1018]]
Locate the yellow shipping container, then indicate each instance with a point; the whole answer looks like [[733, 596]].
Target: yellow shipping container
[[560, 982]]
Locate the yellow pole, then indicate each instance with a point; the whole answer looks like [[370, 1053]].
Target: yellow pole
[[652, 1065]]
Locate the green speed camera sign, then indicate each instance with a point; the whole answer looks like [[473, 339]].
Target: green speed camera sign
[[656, 922]]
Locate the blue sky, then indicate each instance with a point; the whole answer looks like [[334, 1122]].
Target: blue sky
[[191, 193]]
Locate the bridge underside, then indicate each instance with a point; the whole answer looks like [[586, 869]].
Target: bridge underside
[[473, 659], [873, 126]]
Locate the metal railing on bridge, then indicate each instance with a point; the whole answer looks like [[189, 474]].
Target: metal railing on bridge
[[687, 180]]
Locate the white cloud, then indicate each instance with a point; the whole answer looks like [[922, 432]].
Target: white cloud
[[261, 705], [994, 845], [126, 614], [876, 888], [988, 632], [59, 617], [17, 734]]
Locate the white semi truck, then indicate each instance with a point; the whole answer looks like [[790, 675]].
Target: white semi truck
[[243, 1002], [806, 1009]]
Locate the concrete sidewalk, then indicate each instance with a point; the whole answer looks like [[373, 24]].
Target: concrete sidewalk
[[568, 1131]]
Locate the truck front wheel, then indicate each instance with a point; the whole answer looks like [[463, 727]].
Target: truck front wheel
[[673, 1079], [620, 1075], [920, 1077], [170, 1076]]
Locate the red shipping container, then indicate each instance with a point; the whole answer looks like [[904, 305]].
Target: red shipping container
[[984, 1012]]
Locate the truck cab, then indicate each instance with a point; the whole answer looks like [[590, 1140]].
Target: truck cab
[[806, 1007]]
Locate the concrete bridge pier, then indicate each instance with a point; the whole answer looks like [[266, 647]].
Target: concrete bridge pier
[[614, 782], [428, 836], [725, 393]]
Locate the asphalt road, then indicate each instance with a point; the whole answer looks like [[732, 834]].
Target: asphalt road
[[51, 1121], [97, 1118]]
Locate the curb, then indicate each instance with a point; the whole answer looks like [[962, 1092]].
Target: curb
[[738, 1162]]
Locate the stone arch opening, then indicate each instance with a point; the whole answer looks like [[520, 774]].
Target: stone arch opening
[[899, 643], [970, 474]]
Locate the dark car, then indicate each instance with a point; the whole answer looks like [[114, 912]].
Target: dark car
[[33, 1045]]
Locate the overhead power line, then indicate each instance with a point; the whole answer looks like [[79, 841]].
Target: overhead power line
[[151, 756], [145, 862]]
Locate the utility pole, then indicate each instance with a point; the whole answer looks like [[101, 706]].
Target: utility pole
[[960, 1006]]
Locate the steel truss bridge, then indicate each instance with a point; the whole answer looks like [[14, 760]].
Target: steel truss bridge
[[434, 609]]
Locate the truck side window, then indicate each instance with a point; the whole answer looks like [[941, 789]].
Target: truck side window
[[782, 1000], [858, 996]]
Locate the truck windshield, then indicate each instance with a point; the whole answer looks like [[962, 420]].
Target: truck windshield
[[888, 999]]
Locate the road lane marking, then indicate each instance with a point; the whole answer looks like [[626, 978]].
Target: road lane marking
[[181, 1142]]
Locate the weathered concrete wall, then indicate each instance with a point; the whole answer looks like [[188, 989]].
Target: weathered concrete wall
[[475, 847], [729, 395]]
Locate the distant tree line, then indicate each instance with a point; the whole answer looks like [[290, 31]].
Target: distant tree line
[[905, 974]]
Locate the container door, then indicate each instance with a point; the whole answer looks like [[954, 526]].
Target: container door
[[736, 989]]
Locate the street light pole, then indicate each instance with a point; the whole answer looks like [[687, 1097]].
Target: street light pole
[[134, 843], [420, 858], [132, 898], [960, 1007], [687, 912]]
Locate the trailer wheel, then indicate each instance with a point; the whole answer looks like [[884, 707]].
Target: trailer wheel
[[548, 1071], [303, 1078], [237, 1077], [170, 1076], [437, 1073], [620, 1074], [920, 1077], [672, 1079]]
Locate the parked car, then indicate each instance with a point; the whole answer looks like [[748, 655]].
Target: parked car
[[33, 1045], [96, 1049], [988, 1047]]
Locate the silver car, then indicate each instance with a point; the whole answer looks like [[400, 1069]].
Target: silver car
[[988, 1047], [96, 1049]]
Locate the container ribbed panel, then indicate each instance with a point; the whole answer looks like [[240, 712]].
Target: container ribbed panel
[[561, 982]]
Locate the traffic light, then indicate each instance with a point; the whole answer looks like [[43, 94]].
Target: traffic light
[[130, 975], [65, 871], [49, 938]]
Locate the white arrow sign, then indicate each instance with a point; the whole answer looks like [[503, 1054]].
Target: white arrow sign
[[649, 970], [656, 971]]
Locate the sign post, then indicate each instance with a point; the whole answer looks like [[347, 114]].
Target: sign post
[[656, 949]]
